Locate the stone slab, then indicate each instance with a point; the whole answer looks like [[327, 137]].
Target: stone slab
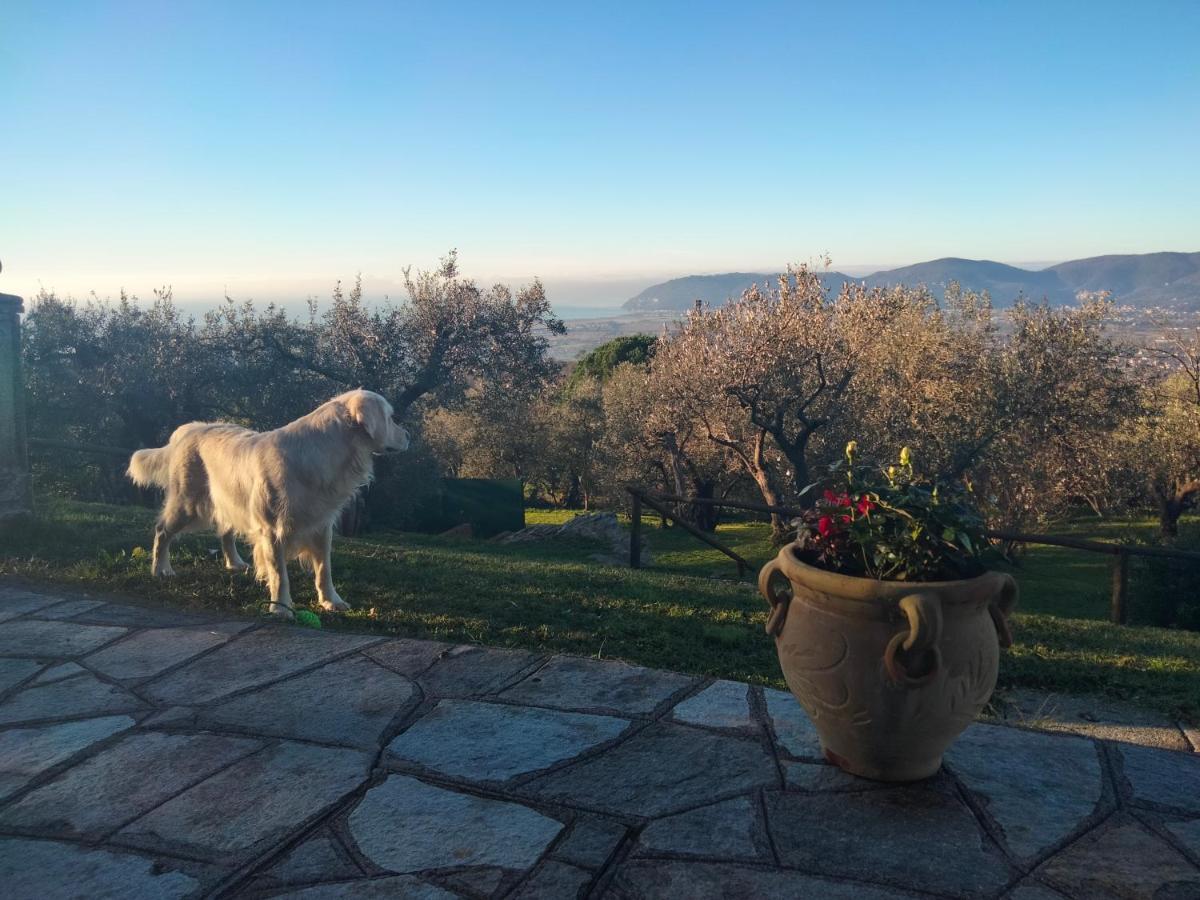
[[729, 830], [42, 639], [68, 609], [441, 828], [27, 752], [794, 730], [466, 671], [1163, 778], [1123, 860], [348, 702], [59, 672], [390, 888], [14, 671], [723, 704], [317, 859], [45, 870], [79, 695], [15, 603], [662, 769], [920, 837], [406, 656], [657, 879], [824, 778], [590, 842], [257, 658], [1188, 834], [1039, 788], [1090, 715], [148, 653], [144, 616], [553, 881], [252, 805], [575, 683], [1032, 890], [122, 782], [495, 742]]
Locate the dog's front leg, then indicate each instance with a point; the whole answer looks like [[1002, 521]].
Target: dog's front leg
[[233, 559], [277, 578], [327, 595]]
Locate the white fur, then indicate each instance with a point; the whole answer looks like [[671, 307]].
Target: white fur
[[281, 490]]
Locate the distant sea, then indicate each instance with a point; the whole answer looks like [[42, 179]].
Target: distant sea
[[567, 313]]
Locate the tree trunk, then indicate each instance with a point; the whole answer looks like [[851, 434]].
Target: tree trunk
[[1173, 502]]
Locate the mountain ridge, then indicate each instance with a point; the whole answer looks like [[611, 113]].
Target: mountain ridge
[[1146, 279]]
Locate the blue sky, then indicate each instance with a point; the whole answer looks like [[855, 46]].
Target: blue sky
[[272, 148]]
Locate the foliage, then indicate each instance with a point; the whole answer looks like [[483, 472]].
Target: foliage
[[893, 525], [1166, 592], [600, 363]]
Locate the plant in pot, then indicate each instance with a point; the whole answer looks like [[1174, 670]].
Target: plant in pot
[[887, 624]]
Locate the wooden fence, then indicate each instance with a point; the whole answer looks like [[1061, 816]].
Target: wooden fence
[[1121, 553]]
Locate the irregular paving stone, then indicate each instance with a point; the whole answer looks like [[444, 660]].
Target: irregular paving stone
[[591, 842], [122, 782], [318, 859], [257, 658], [34, 637], [478, 880], [656, 879], [726, 830], [1122, 861], [553, 881], [37, 870], [15, 603], [68, 609], [390, 888], [440, 828], [1031, 890], [173, 717], [1192, 735], [792, 725], [142, 616], [59, 672], [27, 752], [919, 837], [825, 777], [346, 702], [253, 804], [1163, 777], [150, 652], [495, 742], [724, 704], [472, 671], [1188, 834], [1090, 715], [571, 682], [79, 695], [660, 770], [1038, 788], [14, 671], [406, 656]]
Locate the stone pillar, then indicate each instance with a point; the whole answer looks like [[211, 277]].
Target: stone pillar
[[16, 494]]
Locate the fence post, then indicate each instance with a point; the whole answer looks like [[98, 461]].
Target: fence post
[[1120, 587], [16, 490], [635, 531]]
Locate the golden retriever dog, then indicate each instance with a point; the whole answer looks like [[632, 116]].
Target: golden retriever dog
[[281, 490]]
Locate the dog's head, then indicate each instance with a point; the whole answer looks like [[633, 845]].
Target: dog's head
[[373, 415]]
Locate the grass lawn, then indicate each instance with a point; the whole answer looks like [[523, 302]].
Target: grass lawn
[[686, 612]]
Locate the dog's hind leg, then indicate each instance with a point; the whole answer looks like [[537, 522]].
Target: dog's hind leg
[[233, 559], [171, 522], [270, 566], [319, 551]]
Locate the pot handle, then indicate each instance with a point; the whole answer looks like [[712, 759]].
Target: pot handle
[[779, 599], [1002, 605], [924, 614]]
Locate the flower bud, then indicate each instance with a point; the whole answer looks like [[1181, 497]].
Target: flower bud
[[905, 456], [851, 449]]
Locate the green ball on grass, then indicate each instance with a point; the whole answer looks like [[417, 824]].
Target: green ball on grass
[[307, 618]]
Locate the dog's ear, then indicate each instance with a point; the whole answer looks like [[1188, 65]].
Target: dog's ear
[[367, 412]]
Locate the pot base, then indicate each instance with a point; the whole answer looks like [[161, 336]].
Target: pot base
[[896, 772]]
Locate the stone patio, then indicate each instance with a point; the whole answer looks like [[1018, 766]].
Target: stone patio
[[152, 753]]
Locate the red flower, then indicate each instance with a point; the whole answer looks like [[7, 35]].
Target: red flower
[[845, 520], [830, 496], [845, 500], [825, 526], [865, 505]]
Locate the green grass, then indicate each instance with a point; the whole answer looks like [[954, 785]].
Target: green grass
[[686, 613]]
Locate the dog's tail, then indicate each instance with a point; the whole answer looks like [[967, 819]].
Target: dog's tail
[[150, 467]]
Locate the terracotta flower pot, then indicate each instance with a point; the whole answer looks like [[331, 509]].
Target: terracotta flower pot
[[890, 672]]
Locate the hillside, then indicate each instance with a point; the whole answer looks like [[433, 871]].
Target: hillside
[[1149, 279]]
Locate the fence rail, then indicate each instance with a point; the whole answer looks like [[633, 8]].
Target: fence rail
[[1118, 606]]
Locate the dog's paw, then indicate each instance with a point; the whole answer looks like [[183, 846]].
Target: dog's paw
[[164, 571], [333, 604], [280, 611], [239, 566]]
